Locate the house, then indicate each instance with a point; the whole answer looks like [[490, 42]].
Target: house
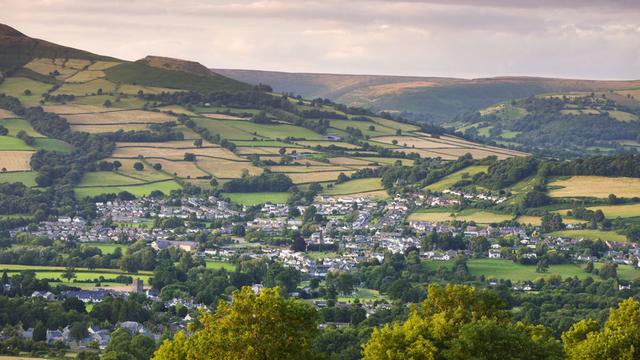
[[494, 254], [45, 295], [132, 327], [54, 336]]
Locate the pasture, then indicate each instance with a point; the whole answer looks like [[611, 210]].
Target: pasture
[[451, 179], [615, 211], [53, 145], [226, 169], [85, 76], [92, 87], [595, 186], [137, 189], [28, 178], [446, 214], [181, 169], [251, 199], [388, 161], [326, 143], [591, 235], [363, 126], [210, 264], [16, 125], [16, 86], [304, 178], [13, 144], [100, 129]]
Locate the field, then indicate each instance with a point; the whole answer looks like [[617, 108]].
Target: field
[[537, 220], [379, 130], [182, 169], [53, 145], [591, 235], [84, 76], [615, 211], [108, 248], [220, 265], [355, 186], [105, 182], [16, 86], [119, 117], [13, 144], [15, 160], [6, 114], [444, 214], [227, 169], [595, 186], [26, 177], [451, 179], [388, 161], [251, 199], [327, 143], [87, 88], [97, 129], [16, 125], [303, 178]]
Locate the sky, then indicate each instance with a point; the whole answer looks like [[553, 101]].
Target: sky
[[456, 38]]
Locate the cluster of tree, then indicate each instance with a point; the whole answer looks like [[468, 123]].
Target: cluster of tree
[[424, 172], [267, 181]]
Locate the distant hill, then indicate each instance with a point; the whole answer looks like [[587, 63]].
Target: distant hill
[[420, 98], [167, 63]]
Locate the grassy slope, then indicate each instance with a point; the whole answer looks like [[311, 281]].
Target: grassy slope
[[451, 179]]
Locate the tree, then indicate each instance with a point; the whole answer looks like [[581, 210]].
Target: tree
[[543, 265], [157, 166], [69, 273], [117, 165], [619, 338], [213, 183], [107, 103], [446, 326], [78, 331], [189, 157], [282, 151], [138, 166], [3, 130], [253, 326], [27, 92], [122, 345], [39, 332], [197, 143], [299, 244]]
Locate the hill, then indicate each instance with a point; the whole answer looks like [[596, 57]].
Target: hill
[[431, 99], [160, 124]]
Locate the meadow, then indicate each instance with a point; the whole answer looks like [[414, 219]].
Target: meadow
[[615, 211], [449, 180], [591, 235], [15, 160], [16, 86], [138, 190], [13, 144], [16, 125], [210, 264], [28, 178], [595, 186], [251, 199]]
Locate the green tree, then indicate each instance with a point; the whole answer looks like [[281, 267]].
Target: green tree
[[39, 332], [78, 331], [619, 338], [69, 273], [253, 326], [138, 166]]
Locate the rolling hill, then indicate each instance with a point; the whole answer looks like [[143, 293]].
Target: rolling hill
[[432, 99], [166, 123]]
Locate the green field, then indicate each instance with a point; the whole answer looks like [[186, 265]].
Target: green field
[[389, 161], [363, 295], [108, 248], [380, 130], [276, 131], [445, 214], [591, 235], [506, 269], [138, 190], [106, 178], [15, 86], [26, 177], [355, 186], [10, 143], [220, 265], [317, 255], [224, 129], [250, 199], [53, 145], [262, 143], [16, 125], [451, 179]]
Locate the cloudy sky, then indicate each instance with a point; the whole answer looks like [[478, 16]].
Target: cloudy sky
[[597, 39]]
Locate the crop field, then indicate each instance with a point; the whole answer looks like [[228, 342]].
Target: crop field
[[86, 88], [177, 109], [445, 214], [326, 143], [138, 190], [224, 128], [451, 179], [615, 211], [119, 117], [28, 178], [349, 161], [258, 150], [251, 199], [261, 143], [355, 186], [74, 108], [303, 178], [591, 235], [394, 124], [134, 89], [102, 65], [416, 142], [119, 102], [6, 114], [15, 160], [16, 86], [595, 186], [181, 169], [429, 153], [46, 66], [99, 129], [227, 169], [84, 76], [174, 154], [388, 161], [179, 144], [77, 64], [223, 116], [537, 220], [305, 169]]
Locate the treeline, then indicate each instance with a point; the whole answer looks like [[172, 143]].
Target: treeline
[[424, 172]]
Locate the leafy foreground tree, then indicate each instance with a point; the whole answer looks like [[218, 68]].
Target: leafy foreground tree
[[124, 346], [460, 322], [618, 339], [253, 326]]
